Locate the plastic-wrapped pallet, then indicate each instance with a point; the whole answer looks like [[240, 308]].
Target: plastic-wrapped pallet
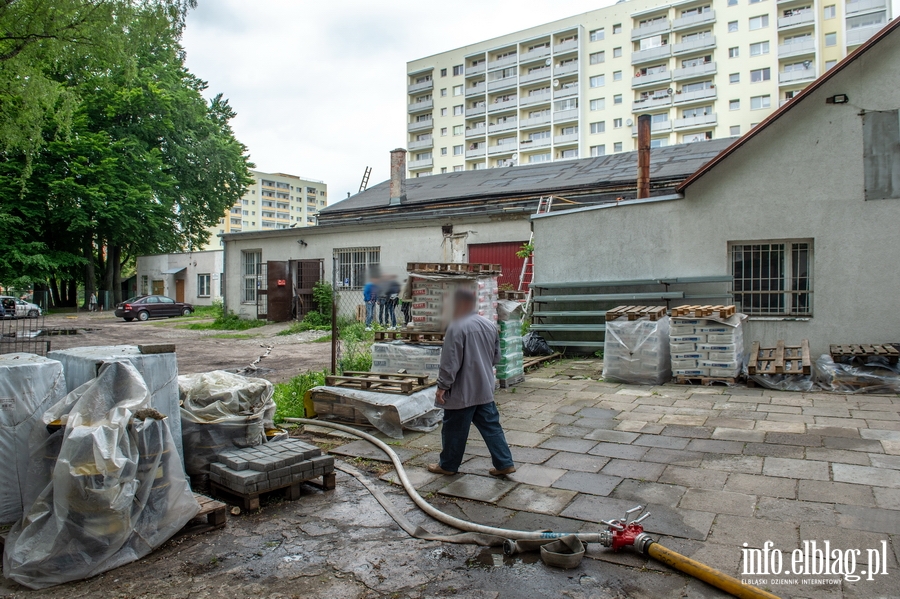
[[637, 351], [160, 372], [512, 359], [432, 294], [707, 347], [29, 385], [391, 358]]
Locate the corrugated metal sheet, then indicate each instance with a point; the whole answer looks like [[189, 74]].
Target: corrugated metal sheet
[[503, 254]]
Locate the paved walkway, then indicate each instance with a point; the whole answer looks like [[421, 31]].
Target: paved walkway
[[718, 467]]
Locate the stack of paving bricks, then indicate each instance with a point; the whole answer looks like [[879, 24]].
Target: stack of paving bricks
[[704, 350], [251, 471]]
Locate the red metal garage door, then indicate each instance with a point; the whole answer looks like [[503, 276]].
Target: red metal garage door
[[503, 254]]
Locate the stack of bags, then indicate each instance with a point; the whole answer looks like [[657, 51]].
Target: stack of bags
[[432, 297], [512, 360], [702, 347], [637, 351], [392, 358]]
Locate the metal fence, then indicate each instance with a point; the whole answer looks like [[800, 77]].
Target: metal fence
[[25, 335]]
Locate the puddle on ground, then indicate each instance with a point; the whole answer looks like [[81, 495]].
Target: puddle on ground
[[493, 557]]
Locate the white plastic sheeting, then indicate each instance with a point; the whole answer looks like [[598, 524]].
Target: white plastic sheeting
[[637, 351], [29, 384], [388, 412], [160, 372], [220, 411], [117, 489], [391, 358]]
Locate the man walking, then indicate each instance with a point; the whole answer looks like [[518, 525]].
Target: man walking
[[466, 389], [370, 294]]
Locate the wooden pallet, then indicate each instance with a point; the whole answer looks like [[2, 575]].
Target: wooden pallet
[[635, 312], [515, 296], [401, 384], [516, 380], [704, 311], [453, 267], [534, 361], [250, 501], [707, 381], [423, 337], [889, 352], [781, 359]]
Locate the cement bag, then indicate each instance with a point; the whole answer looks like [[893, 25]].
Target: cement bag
[[219, 411], [29, 384], [117, 491], [637, 351]]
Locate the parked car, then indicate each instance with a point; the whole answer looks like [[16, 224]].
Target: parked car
[[144, 307], [16, 308]]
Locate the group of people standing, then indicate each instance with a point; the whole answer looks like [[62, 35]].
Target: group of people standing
[[382, 293]]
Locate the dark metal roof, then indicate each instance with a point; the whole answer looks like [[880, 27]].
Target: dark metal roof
[[672, 163], [806, 92]]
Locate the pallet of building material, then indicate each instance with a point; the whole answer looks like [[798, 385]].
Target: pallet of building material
[[703, 311], [329, 406], [862, 351], [781, 359], [453, 268], [511, 382], [654, 313], [421, 337], [513, 296], [402, 384], [707, 381], [248, 473]]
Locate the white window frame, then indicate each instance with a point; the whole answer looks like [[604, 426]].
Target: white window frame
[[251, 263], [204, 285], [791, 290]]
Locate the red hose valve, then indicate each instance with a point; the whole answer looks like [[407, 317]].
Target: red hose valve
[[625, 532]]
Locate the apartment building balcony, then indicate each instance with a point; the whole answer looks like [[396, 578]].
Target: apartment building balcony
[[699, 95], [501, 83], [535, 75], [476, 131], [701, 70], [419, 87], [651, 54], [799, 48], [565, 140], [421, 106], [504, 105], [504, 126], [475, 90], [421, 144], [534, 121], [566, 92], [694, 45], [858, 35], [502, 149], [657, 127], [694, 20], [651, 79], [474, 110], [535, 99], [477, 69], [796, 76], [863, 6], [475, 153], [420, 126], [645, 104], [534, 144], [565, 69], [703, 120], [565, 115], [568, 46], [807, 17], [532, 55], [417, 164], [502, 62], [654, 28]]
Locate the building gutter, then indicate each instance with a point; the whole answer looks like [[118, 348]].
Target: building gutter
[[653, 200]]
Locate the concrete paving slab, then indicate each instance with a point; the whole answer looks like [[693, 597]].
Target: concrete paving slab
[[577, 462], [587, 482], [775, 451], [787, 510], [747, 464], [536, 521], [843, 456], [832, 492], [419, 477], [736, 530], [767, 486], [364, 449], [477, 465], [891, 462], [615, 450], [679, 457], [528, 498], [691, 432], [867, 445], [867, 518], [524, 438], [531, 455], [536, 475], [712, 446], [612, 436], [879, 435], [478, 488], [642, 493], [888, 499], [801, 469], [722, 433], [577, 432], [569, 444], [866, 475], [695, 478], [843, 539], [648, 471], [662, 441], [720, 502]]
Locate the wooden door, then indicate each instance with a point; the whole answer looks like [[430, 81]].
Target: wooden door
[[308, 273], [278, 290], [179, 290]]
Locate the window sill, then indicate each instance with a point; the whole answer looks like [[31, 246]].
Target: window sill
[[780, 318]]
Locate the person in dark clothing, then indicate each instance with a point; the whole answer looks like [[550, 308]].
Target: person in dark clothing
[[393, 298]]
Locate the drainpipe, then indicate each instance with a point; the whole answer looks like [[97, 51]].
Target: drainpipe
[[643, 174], [398, 176], [223, 283]]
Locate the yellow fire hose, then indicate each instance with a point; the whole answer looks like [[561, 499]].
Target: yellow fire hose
[[620, 533]]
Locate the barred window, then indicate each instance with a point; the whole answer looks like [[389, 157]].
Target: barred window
[[355, 265], [773, 278], [250, 266]]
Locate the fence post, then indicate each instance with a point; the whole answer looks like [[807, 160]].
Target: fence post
[[334, 317]]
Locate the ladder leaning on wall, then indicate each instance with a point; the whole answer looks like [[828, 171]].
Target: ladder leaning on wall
[[526, 277]]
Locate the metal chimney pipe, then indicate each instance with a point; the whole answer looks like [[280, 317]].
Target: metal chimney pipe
[[643, 169], [398, 176]]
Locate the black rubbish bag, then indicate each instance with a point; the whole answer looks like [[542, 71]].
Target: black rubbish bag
[[534, 345]]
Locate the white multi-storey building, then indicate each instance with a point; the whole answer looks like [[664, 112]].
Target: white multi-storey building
[[703, 69]]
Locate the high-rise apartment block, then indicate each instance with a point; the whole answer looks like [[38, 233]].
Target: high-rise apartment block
[[273, 201], [573, 88]]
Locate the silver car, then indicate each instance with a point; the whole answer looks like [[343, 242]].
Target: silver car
[[23, 309]]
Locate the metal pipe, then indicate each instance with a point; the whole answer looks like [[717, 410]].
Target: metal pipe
[[643, 170]]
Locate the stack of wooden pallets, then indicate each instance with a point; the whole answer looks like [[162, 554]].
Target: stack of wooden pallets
[[654, 313], [401, 384], [453, 267], [862, 351], [703, 311], [781, 359]]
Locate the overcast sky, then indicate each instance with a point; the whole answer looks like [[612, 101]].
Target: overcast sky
[[320, 86]]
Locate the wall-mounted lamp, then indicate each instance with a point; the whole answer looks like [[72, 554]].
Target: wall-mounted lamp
[[838, 99], [303, 243]]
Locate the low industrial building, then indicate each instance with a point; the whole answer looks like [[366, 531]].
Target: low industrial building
[[794, 218], [192, 277]]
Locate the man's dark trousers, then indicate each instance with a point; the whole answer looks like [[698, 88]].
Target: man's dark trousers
[[455, 432]]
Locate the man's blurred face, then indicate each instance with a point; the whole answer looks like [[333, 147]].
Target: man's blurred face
[[463, 307]]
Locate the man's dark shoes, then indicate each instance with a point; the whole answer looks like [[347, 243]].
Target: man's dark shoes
[[504, 472], [436, 469]]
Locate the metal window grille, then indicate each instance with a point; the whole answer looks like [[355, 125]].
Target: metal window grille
[[773, 279], [250, 269], [354, 264]]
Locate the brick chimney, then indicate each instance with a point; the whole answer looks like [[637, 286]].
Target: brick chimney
[[643, 174], [398, 176]]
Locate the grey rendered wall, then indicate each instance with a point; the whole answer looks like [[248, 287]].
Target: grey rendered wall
[[399, 244], [206, 262], [802, 177]]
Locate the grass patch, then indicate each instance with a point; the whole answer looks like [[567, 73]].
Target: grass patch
[[232, 322], [289, 396], [232, 336], [323, 339], [213, 311]]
